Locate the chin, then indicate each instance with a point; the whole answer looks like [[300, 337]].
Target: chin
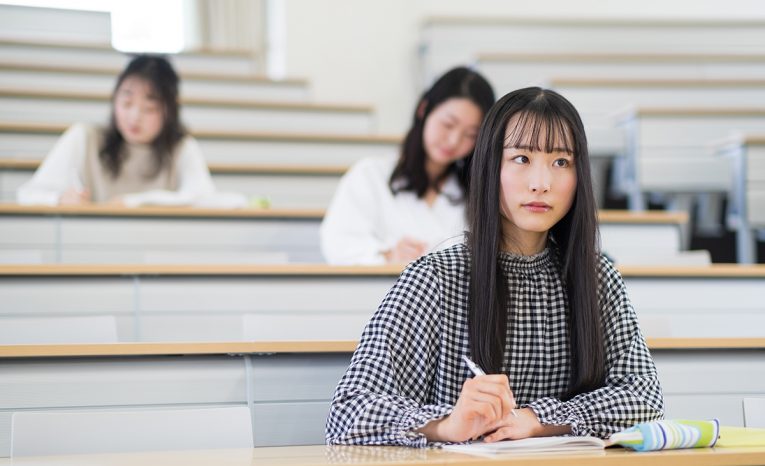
[[536, 227], [138, 140]]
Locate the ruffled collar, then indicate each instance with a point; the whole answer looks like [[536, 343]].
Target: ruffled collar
[[538, 261]]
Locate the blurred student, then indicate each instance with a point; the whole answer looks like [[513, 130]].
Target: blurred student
[[143, 156], [394, 211]]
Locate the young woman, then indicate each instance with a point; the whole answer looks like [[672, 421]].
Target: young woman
[[528, 297], [396, 211], [144, 156]]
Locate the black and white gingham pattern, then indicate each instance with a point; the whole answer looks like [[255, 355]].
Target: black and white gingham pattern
[[407, 370]]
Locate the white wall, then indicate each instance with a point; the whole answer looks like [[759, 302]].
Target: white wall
[[52, 24], [365, 51]]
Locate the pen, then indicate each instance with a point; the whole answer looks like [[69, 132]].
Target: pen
[[478, 371]]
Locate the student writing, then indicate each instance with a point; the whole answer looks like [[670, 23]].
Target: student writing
[[397, 210], [528, 297], [143, 156]]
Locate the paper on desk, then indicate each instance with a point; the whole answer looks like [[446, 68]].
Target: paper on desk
[[741, 437]]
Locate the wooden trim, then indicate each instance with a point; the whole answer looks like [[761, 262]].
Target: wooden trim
[[39, 128], [19, 164], [205, 102], [606, 216], [705, 271], [13, 127], [300, 137], [439, 20], [108, 48], [346, 346], [406, 456], [59, 44], [283, 270], [98, 210], [113, 72], [544, 57], [699, 112], [322, 455], [169, 349], [216, 168], [726, 271], [268, 169], [705, 343], [754, 140], [681, 83], [647, 217], [212, 52]]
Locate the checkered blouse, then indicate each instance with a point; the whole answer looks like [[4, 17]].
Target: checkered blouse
[[407, 369]]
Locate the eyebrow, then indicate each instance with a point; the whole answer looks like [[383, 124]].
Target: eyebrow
[[532, 148], [454, 117]]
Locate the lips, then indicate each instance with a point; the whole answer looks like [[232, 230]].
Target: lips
[[447, 154], [537, 206]]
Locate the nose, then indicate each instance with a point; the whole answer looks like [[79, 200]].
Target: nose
[[453, 138], [539, 180], [134, 114]]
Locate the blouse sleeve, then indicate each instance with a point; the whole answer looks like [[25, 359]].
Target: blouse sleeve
[[348, 231], [194, 181], [59, 171], [382, 398], [631, 393]]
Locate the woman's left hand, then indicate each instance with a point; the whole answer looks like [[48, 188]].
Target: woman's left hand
[[525, 425], [512, 427]]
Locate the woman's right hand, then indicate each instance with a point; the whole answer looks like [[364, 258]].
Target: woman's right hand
[[74, 196], [406, 250], [484, 404]]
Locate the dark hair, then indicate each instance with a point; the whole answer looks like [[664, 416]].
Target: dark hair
[[545, 119], [410, 174], [158, 72]]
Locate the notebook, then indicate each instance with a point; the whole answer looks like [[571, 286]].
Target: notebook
[[530, 445], [647, 436]]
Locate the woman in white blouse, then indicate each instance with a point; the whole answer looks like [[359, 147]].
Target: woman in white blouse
[[144, 156], [394, 211]]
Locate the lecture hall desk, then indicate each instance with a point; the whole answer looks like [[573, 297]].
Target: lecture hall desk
[[319, 455]]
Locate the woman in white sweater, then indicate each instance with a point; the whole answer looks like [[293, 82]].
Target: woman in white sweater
[[144, 156], [388, 211]]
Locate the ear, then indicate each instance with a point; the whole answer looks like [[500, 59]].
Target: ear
[[421, 109]]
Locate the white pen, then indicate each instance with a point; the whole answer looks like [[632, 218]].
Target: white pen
[[476, 370]]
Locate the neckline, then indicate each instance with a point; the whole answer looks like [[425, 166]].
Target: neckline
[[519, 261]]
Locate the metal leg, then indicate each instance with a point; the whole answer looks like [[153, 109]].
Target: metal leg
[[709, 212], [745, 243], [683, 203]]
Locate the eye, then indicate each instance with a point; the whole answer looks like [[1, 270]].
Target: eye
[[520, 159], [563, 163]]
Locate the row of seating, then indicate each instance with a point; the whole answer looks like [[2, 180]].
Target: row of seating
[[156, 302], [102, 234], [23, 51], [33, 141], [288, 385], [100, 80]]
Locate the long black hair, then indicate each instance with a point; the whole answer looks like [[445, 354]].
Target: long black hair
[[158, 72], [544, 119], [410, 174]]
